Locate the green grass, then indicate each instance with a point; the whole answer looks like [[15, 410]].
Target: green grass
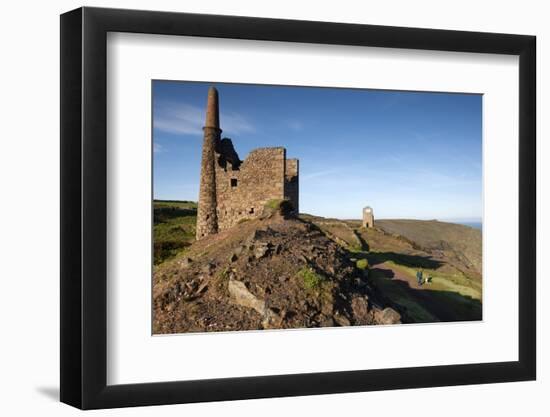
[[273, 204], [173, 228], [451, 294], [398, 295], [362, 264], [310, 278], [175, 203], [223, 275], [410, 264], [458, 283], [284, 206], [457, 292], [354, 248]]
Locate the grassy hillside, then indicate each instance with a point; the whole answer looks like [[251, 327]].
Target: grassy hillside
[[173, 227], [461, 244], [448, 255], [271, 272]]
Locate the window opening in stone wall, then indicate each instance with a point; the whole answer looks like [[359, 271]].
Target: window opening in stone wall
[[233, 182]]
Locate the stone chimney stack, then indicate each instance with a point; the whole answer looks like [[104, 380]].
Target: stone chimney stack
[[207, 218], [212, 110]]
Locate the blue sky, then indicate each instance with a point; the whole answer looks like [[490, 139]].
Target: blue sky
[[406, 154]]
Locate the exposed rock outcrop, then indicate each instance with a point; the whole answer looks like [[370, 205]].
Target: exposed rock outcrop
[[263, 274]]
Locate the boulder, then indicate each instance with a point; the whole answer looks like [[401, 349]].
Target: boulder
[[202, 287], [256, 235], [341, 320], [360, 308], [208, 268], [326, 322], [184, 262], [241, 296], [261, 250], [387, 316], [239, 250]]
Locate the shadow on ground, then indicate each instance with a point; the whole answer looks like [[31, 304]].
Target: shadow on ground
[[364, 245], [415, 261], [425, 305], [163, 214], [50, 392]]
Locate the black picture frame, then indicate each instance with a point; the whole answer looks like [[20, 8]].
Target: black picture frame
[[84, 207]]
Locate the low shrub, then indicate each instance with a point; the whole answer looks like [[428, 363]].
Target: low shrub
[[362, 264], [310, 278], [284, 206]]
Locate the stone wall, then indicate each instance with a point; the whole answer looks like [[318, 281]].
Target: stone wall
[[232, 190], [368, 217], [291, 183], [207, 222], [243, 191]]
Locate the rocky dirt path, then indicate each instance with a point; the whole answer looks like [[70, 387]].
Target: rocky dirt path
[[421, 294]]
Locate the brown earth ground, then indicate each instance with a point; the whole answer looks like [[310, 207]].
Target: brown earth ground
[[266, 273], [278, 272]]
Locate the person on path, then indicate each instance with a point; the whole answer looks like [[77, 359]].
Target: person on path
[[419, 277]]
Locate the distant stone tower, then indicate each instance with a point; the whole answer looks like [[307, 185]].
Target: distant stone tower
[[207, 218], [368, 217]]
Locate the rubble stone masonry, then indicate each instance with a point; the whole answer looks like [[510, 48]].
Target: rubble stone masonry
[[243, 193], [368, 217], [207, 222], [232, 190], [291, 183]]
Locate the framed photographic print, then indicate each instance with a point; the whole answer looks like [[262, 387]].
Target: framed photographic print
[[257, 208]]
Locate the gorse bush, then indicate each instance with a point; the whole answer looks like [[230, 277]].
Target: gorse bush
[[310, 278], [273, 204], [355, 248], [283, 206], [362, 264]]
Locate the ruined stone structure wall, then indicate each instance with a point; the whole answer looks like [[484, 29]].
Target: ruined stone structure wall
[[291, 183], [242, 193], [368, 217], [232, 190], [207, 222]]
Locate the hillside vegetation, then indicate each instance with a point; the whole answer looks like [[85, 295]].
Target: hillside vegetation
[[460, 244], [173, 227], [449, 256], [279, 272], [272, 272]]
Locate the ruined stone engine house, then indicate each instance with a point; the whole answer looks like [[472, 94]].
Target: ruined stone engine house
[[231, 189], [368, 217]]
